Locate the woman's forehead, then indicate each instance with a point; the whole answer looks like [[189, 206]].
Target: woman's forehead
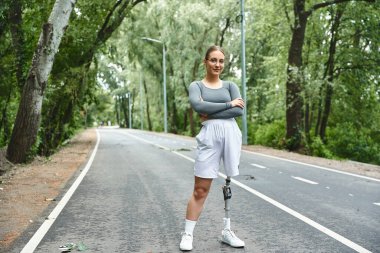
[[216, 54]]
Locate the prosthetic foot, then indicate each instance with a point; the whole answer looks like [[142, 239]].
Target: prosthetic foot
[[228, 236]]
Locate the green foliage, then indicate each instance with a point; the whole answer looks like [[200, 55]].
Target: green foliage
[[348, 142], [87, 72], [271, 135], [318, 148]]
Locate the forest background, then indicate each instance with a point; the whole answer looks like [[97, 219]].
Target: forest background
[[313, 71]]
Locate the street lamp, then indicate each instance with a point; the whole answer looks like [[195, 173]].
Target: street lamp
[[242, 26], [164, 73], [141, 102]]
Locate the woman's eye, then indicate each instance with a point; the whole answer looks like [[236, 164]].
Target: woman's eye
[[214, 61]]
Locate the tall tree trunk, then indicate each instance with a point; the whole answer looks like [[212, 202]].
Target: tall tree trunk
[[330, 72], [308, 98], [125, 113], [147, 106], [184, 126], [192, 125], [319, 114], [130, 104], [307, 119], [49, 124], [57, 116], [29, 113], [173, 125], [117, 111], [59, 133], [294, 88]]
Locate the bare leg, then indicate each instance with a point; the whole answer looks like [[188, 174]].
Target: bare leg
[[195, 205], [194, 209]]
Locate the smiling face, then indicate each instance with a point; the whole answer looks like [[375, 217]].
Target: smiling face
[[214, 62]]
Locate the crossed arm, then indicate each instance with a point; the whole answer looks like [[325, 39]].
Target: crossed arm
[[210, 110]]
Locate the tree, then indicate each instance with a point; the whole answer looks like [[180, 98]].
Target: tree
[[294, 100], [27, 122], [329, 72], [92, 25]]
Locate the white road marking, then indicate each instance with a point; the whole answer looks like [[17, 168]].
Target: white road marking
[[258, 166], [304, 180], [315, 166], [378, 204], [303, 218], [350, 194], [184, 156], [41, 232]]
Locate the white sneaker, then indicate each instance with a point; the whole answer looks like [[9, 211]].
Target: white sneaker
[[229, 237], [186, 242]]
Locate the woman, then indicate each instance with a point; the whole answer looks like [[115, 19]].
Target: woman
[[217, 102]]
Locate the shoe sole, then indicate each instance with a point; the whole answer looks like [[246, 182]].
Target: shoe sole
[[186, 249], [232, 245]]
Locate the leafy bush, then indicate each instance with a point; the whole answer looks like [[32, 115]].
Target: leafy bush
[[271, 135], [348, 142], [318, 148]]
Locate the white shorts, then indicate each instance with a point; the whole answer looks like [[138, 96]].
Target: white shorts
[[218, 139]]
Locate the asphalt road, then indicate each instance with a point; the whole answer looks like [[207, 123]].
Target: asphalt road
[[133, 199]]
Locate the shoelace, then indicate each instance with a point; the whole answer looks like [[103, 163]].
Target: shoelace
[[231, 233], [187, 236]]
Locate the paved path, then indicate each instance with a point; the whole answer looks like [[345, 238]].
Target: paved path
[[134, 195]]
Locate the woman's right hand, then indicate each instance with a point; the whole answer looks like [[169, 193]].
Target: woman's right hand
[[203, 117], [238, 102]]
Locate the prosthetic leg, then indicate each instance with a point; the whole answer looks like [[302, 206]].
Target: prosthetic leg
[[228, 236], [227, 196]]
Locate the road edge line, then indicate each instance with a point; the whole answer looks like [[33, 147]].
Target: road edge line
[[315, 166], [301, 217], [44, 228]]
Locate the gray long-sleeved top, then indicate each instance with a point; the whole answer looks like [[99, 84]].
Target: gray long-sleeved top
[[216, 103]]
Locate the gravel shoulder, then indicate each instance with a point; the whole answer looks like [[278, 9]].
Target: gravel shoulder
[[26, 191]]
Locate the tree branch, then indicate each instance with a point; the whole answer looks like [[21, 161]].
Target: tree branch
[[328, 3], [110, 13], [228, 23], [357, 67], [137, 2]]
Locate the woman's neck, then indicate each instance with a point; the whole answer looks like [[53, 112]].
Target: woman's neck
[[212, 80]]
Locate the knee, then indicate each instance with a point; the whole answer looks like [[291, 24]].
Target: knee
[[200, 193]]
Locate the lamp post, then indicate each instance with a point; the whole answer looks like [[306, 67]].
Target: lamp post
[[242, 26], [141, 102], [164, 74]]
